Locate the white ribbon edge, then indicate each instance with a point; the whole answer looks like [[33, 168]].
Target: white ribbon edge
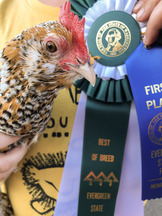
[[99, 8]]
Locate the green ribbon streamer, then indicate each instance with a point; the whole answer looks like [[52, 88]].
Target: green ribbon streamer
[[104, 141], [106, 123]]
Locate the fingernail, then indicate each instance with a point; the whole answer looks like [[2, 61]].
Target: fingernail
[[145, 43], [144, 39], [138, 5], [140, 13]]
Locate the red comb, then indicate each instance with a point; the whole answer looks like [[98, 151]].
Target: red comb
[[72, 23]]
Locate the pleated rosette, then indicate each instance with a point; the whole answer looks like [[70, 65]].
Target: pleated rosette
[[112, 84]]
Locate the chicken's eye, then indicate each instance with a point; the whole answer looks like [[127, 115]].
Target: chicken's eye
[[51, 47]]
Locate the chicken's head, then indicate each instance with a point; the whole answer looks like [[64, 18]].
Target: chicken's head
[[50, 55]]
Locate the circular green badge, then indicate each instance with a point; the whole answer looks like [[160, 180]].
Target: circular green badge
[[113, 37]]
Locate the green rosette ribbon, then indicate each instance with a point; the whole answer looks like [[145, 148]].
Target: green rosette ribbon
[[108, 102]]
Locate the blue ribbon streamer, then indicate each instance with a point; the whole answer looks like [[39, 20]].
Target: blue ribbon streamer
[[144, 69]]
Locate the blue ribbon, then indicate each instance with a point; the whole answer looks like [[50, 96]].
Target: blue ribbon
[[144, 69]]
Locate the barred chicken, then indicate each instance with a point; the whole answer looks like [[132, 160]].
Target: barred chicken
[[36, 64]]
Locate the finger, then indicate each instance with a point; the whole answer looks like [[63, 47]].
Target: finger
[[145, 11], [11, 158], [138, 6], [7, 140], [5, 175], [154, 25]]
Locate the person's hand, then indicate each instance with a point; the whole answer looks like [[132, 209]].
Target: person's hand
[[10, 159], [150, 10]]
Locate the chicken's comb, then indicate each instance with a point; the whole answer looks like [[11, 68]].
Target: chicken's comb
[[72, 23]]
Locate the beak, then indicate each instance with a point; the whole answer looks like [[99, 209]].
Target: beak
[[88, 73]]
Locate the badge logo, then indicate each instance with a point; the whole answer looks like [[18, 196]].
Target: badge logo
[[113, 38], [101, 178], [155, 129]]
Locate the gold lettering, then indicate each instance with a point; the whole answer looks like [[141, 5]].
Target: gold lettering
[[147, 89], [96, 208], [159, 162], [153, 89], [156, 153], [103, 142], [106, 158], [157, 88], [155, 106], [160, 171], [154, 103], [94, 156], [149, 104], [156, 185], [98, 196]]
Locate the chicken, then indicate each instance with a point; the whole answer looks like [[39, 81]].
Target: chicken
[[36, 64]]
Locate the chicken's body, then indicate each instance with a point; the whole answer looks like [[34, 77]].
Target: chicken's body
[[35, 65], [27, 83]]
